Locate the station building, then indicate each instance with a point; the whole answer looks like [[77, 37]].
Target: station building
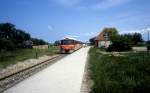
[[102, 40]]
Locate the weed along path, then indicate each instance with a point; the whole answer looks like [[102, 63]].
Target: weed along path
[[65, 76]]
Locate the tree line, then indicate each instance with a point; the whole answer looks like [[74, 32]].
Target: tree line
[[120, 42], [12, 38]]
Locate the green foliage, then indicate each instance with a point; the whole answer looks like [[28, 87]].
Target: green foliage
[[136, 37], [57, 43], [92, 40], [119, 46], [12, 57], [125, 41], [132, 39], [21, 35], [129, 39], [119, 74], [6, 44], [38, 41], [6, 30], [112, 33], [148, 47], [12, 38], [148, 42]]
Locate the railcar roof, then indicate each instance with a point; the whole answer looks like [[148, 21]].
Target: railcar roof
[[69, 38]]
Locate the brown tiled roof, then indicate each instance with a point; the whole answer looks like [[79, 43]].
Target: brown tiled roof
[[101, 37]]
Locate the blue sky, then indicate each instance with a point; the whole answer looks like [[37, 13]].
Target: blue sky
[[54, 19]]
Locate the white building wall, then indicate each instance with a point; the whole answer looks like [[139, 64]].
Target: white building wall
[[104, 44]]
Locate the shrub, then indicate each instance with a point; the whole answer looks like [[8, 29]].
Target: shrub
[[148, 47], [148, 42], [7, 45], [119, 46]]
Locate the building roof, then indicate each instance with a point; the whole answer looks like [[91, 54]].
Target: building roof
[[70, 38], [103, 36], [67, 37]]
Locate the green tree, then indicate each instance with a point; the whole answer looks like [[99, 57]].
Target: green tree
[[21, 35], [136, 38], [11, 37], [127, 38], [7, 44], [131, 39], [57, 42], [112, 33], [119, 46], [38, 41], [92, 40], [6, 30]]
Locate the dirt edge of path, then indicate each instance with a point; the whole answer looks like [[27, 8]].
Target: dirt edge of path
[[87, 82]]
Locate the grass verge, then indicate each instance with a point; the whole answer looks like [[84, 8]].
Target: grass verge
[[12, 57], [119, 74]]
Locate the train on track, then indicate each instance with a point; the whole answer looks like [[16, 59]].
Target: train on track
[[69, 45]]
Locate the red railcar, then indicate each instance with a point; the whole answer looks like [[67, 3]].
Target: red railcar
[[69, 45]]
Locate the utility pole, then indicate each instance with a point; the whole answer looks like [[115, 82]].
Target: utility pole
[[148, 45], [148, 34]]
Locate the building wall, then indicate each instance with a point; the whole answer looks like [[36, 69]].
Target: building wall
[[104, 44]]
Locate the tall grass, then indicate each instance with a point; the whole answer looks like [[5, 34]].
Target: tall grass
[[11, 57], [120, 74]]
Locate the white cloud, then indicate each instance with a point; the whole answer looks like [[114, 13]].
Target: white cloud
[[85, 34], [142, 31], [109, 3], [79, 35], [51, 28], [95, 4], [72, 36], [148, 29], [88, 34], [67, 2]]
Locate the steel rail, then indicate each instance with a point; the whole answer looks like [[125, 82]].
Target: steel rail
[[30, 67]]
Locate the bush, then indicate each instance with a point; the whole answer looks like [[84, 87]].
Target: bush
[[7, 44], [143, 44], [119, 46], [148, 42], [148, 47], [38, 41]]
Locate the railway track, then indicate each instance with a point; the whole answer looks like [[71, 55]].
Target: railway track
[[14, 78]]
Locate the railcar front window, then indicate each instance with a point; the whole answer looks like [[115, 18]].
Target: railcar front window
[[66, 42]]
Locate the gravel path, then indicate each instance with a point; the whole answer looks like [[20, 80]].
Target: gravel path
[[87, 82], [65, 76]]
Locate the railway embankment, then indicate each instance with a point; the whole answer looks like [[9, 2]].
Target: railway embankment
[[15, 73], [65, 76], [23, 65]]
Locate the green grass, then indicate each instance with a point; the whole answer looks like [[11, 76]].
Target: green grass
[[122, 74], [12, 57]]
